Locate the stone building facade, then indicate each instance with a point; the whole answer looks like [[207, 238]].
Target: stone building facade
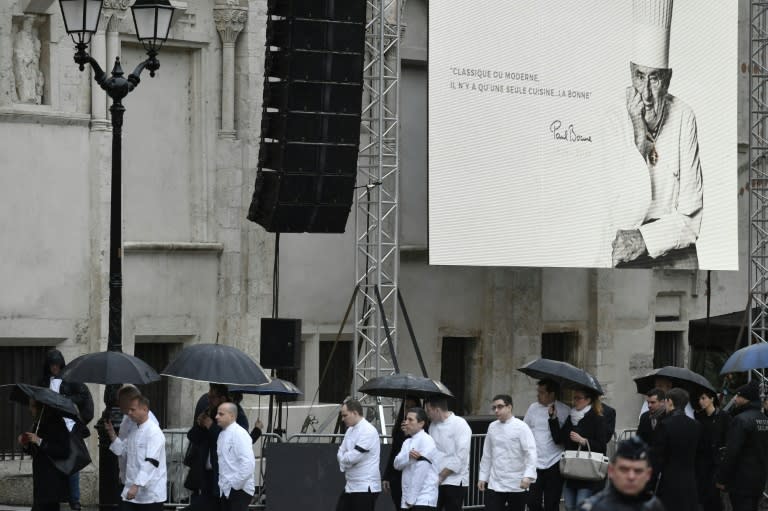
[[195, 270]]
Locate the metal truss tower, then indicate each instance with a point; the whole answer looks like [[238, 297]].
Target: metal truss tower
[[758, 173], [376, 197]]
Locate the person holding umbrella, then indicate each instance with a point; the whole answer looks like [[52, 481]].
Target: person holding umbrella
[[584, 428], [391, 480], [745, 464], [48, 440], [81, 396], [417, 460]]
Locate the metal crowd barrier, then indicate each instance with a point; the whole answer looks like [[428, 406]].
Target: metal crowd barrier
[[176, 444]]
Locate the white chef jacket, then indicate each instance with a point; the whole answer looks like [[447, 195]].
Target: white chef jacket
[[420, 477], [236, 461], [537, 418], [453, 438], [509, 455], [127, 426], [664, 201], [146, 442], [358, 458]]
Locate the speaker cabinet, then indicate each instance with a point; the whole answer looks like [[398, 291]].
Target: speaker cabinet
[[280, 343], [310, 128]]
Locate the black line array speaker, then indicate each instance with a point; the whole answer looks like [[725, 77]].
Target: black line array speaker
[[280, 343], [310, 127]]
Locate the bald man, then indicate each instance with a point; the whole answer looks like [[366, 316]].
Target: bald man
[[236, 461]]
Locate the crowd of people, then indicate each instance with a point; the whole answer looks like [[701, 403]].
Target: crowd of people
[[683, 457], [680, 459]]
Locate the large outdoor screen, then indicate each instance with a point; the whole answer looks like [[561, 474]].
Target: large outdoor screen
[[589, 133]]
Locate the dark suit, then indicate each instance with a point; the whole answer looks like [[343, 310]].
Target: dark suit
[[678, 446], [648, 433]]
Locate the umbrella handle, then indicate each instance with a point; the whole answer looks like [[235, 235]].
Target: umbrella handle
[[39, 419]]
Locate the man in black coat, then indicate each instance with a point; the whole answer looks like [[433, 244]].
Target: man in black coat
[[629, 473], [648, 427], [745, 465], [678, 446]]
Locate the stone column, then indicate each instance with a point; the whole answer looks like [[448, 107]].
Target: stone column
[[230, 20], [98, 51], [114, 12]]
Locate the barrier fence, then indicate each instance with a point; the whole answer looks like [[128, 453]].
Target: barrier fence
[[177, 443]]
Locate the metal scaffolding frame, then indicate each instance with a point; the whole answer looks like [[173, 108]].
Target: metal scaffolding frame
[[758, 173], [376, 196]]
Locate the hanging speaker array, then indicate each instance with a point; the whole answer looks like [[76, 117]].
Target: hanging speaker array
[[310, 127]]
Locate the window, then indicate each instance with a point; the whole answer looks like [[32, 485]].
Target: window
[[455, 369], [666, 349], [18, 364], [337, 383], [157, 355], [561, 346]]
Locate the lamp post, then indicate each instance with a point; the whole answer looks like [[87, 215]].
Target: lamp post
[[152, 19]]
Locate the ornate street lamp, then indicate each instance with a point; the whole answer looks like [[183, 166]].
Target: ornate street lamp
[[152, 19]]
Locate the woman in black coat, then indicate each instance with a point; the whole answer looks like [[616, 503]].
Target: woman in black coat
[[714, 433], [49, 440], [584, 426]]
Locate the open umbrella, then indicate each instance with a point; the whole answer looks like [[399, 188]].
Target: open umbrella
[[746, 359], [680, 377], [21, 393], [108, 368], [216, 363], [398, 385], [565, 374], [276, 387]]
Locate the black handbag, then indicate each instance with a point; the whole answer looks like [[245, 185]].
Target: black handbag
[[78, 458]]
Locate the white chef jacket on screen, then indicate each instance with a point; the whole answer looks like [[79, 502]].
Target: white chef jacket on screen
[[146, 442], [453, 438], [236, 461], [509, 455], [537, 418], [127, 426], [358, 458], [420, 477]]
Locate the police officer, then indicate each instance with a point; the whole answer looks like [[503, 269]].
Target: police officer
[[629, 471]]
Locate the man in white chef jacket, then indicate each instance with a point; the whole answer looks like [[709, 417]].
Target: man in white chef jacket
[[145, 472], [358, 458], [453, 438], [417, 459], [234, 449], [125, 397], [508, 465], [663, 132]]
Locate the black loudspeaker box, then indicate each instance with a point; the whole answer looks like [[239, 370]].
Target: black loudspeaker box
[[280, 343]]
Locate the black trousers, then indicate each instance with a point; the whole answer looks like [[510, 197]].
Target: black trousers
[[450, 497], [358, 501], [743, 502], [545, 493], [495, 501], [238, 500]]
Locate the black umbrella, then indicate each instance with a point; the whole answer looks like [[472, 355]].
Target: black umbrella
[[216, 363], [565, 374], [680, 377], [21, 393], [276, 387], [109, 367], [398, 385]]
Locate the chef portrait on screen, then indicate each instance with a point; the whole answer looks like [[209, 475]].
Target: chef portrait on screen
[[658, 227]]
